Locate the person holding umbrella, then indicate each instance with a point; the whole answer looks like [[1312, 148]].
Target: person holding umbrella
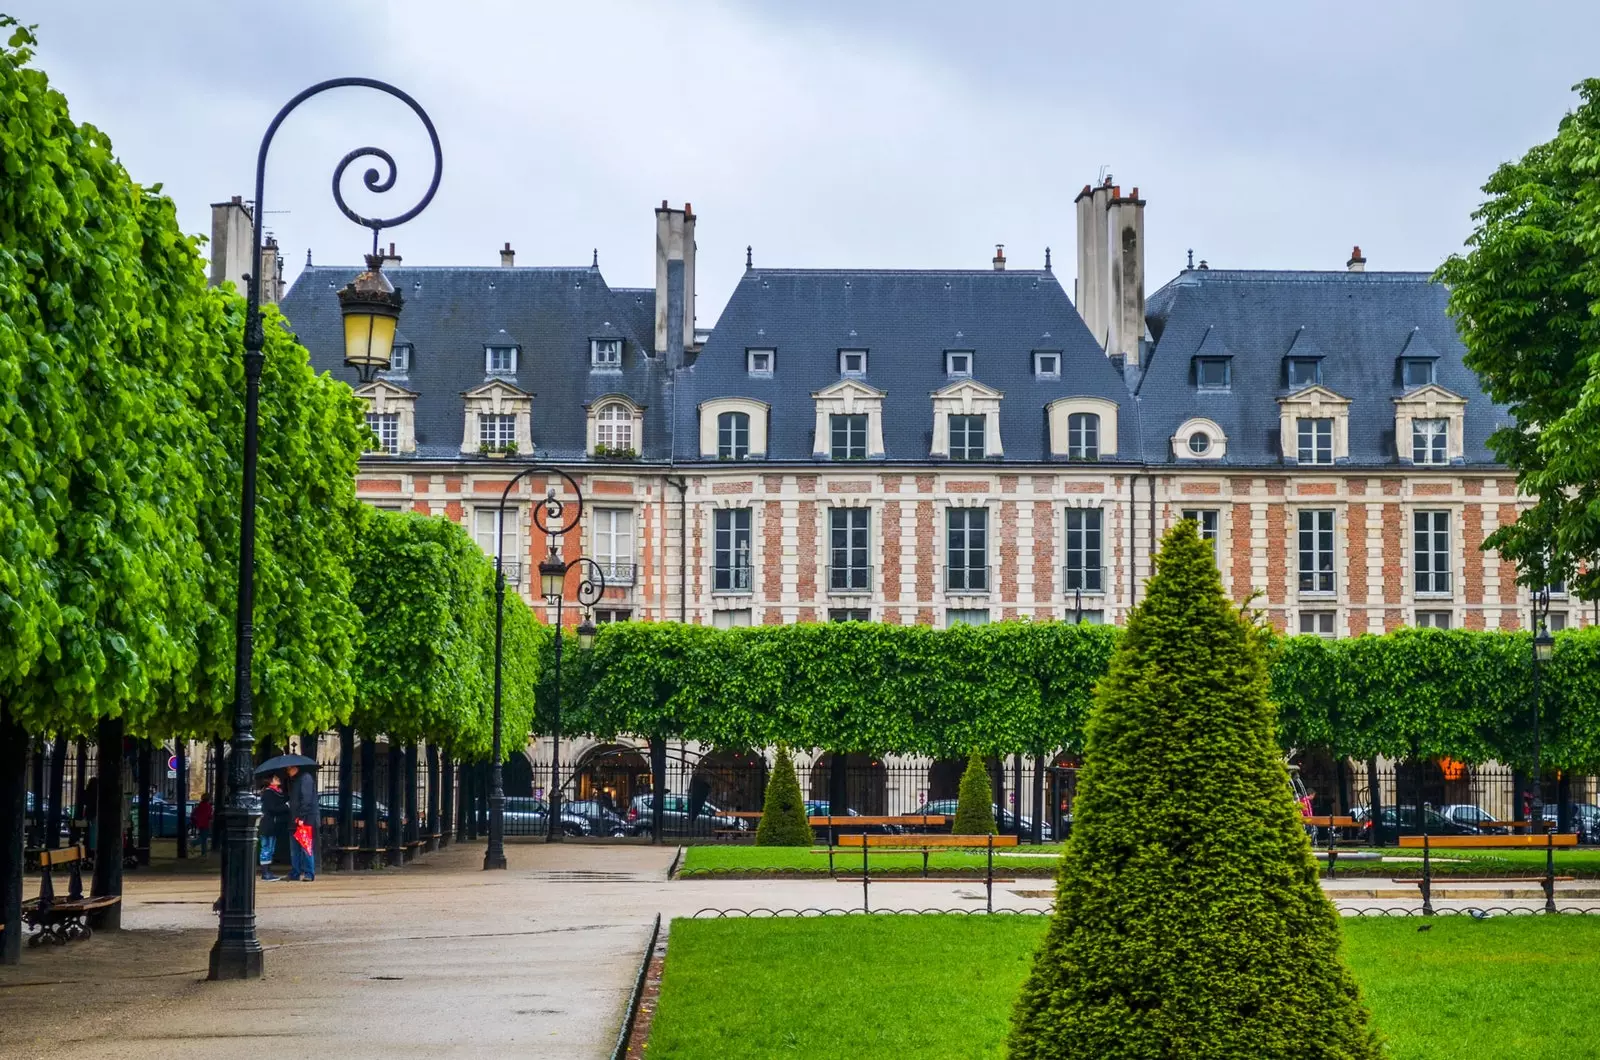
[[274, 809], [279, 807], [303, 808]]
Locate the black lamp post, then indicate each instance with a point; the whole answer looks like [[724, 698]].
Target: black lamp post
[[370, 307], [1544, 646], [553, 580], [553, 518]]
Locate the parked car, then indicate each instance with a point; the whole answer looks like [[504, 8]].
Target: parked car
[[601, 820], [1467, 814], [820, 808], [675, 817], [164, 817], [1585, 820], [1402, 820], [328, 801], [526, 815], [1007, 822]]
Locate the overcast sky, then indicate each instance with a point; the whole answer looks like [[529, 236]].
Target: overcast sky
[[838, 132]]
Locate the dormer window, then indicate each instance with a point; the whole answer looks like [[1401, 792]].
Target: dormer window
[[759, 362], [500, 360], [1305, 371], [853, 363], [1315, 438], [400, 360], [1046, 364], [386, 425], [497, 430], [605, 353], [1430, 441], [958, 363], [1212, 373], [1416, 371], [614, 426]]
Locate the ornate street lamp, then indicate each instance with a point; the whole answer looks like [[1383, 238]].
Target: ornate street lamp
[[590, 589], [1544, 649], [554, 518], [370, 312]]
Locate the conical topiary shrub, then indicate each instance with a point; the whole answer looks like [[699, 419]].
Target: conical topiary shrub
[[783, 812], [1188, 918], [974, 800]]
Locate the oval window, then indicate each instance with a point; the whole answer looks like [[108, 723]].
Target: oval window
[[1199, 443]]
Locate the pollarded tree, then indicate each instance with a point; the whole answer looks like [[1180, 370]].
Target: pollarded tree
[[1189, 921], [784, 822], [974, 800]]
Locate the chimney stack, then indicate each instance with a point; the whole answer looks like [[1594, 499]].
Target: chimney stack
[[389, 256], [1111, 268], [1357, 263], [999, 257], [508, 257], [232, 230], [674, 281]]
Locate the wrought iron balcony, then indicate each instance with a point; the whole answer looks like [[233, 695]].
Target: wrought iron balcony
[[851, 579], [730, 579]]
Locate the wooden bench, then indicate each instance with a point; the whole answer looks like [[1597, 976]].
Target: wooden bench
[[1332, 823], [1547, 842], [60, 920], [924, 843]]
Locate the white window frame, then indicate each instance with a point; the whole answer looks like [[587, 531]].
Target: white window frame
[[1427, 558], [966, 616], [613, 426], [605, 353], [1310, 621], [731, 618], [613, 543], [497, 429], [484, 523], [958, 364], [850, 435], [1227, 373], [730, 424], [400, 359], [489, 354], [965, 450], [1430, 441], [1208, 521], [755, 354], [386, 425], [1434, 618], [1054, 359], [1310, 450], [974, 577], [849, 614], [1320, 578], [1083, 436], [1298, 362], [1084, 551], [850, 562], [1427, 362], [726, 543], [845, 358]]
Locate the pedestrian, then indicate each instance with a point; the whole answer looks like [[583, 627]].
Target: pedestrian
[[203, 813], [305, 812], [274, 811], [89, 810]]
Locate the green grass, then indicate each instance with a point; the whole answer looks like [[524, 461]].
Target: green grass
[[1023, 861], [1508, 988]]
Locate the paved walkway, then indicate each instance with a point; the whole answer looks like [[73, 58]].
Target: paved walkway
[[440, 959]]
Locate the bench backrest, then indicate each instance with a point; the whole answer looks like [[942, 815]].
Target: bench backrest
[[852, 822], [61, 856], [1490, 842], [1327, 821], [972, 842]]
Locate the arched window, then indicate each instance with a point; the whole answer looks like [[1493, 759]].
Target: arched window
[[733, 435], [613, 426], [1083, 436]]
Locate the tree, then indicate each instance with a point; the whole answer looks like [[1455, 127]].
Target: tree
[[974, 800], [784, 822], [1189, 921], [1526, 298]]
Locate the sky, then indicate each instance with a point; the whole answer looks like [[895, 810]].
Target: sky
[[836, 133]]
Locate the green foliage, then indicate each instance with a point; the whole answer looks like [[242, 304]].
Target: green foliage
[[784, 822], [1526, 298], [974, 800], [1189, 920]]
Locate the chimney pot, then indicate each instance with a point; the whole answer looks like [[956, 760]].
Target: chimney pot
[[1135, 193], [508, 257], [1357, 263], [238, 200], [999, 257], [663, 204]]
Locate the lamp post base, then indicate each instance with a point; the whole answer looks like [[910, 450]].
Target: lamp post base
[[558, 836], [492, 862], [236, 960]]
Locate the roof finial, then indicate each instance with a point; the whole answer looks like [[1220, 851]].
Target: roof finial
[[308, 256], [1191, 259], [1046, 259], [747, 257], [594, 262]]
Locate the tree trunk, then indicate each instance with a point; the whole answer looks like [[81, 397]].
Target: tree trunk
[[396, 805], [181, 752], [370, 849], [109, 822], [431, 821], [1375, 803], [413, 829], [344, 830], [57, 795], [13, 824], [145, 753], [447, 791], [658, 788]]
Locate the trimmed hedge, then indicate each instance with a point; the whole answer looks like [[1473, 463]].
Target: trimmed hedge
[[784, 822], [1189, 921], [974, 800]]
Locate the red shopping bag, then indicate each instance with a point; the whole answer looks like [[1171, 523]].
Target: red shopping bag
[[302, 835]]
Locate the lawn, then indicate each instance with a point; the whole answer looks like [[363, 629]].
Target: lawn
[[1025, 861], [1507, 988]]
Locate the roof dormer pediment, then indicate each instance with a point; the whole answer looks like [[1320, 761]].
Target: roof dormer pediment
[[1317, 396], [497, 388], [383, 388], [1431, 396], [849, 388], [966, 390]]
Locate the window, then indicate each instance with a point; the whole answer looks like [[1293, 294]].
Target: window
[[731, 551], [1428, 438], [966, 616], [1316, 551], [1416, 371], [386, 425], [1430, 535], [1084, 570], [1209, 522], [1211, 373], [849, 441], [608, 615], [1316, 440], [958, 363], [1433, 620], [1083, 436], [735, 619], [1089, 617], [848, 571], [389, 507], [849, 614], [400, 360], [1556, 621], [605, 353], [1318, 622], [967, 555], [1046, 364], [613, 544], [497, 429], [486, 531], [966, 437], [733, 435], [1305, 371], [500, 359], [613, 427], [1199, 443], [852, 362], [759, 362]]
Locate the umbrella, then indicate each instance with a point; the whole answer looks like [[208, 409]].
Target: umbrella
[[273, 765]]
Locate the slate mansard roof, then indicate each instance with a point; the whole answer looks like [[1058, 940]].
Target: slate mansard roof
[[906, 321], [452, 313], [1360, 323]]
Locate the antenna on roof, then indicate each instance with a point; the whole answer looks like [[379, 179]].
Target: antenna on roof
[[1191, 259], [1105, 175], [747, 257]]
